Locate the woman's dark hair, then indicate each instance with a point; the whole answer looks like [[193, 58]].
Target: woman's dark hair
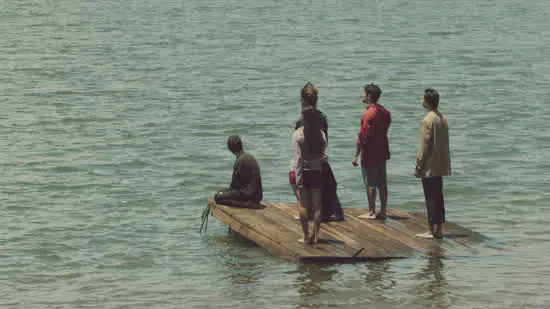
[[431, 97], [234, 144], [313, 138], [309, 94]]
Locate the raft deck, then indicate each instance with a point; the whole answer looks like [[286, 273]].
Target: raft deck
[[274, 228]]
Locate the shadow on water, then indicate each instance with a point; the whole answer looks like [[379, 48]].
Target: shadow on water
[[358, 284], [311, 278], [432, 287], [312, 281], [378, 275], [243, 259]]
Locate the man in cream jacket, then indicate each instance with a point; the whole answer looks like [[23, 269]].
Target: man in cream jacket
[[433, 161]]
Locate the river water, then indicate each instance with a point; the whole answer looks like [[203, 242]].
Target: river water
[[113, 123]]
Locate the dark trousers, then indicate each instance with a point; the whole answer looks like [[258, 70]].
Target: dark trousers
[[331, 206], [230, 197], [435, 205]]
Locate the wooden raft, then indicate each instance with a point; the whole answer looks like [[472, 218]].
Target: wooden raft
[[274, 228]]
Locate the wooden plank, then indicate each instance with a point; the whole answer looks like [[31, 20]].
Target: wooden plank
[[453, 233], [416, 222], [412, 224], [379, 243], [374, 247], [262, 232], [354, 239], [332, 247], [358, 227], [273, 247]]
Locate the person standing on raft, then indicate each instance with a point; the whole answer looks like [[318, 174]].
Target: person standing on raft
[[331, 209], [309, 148], [433, 161], [373, 146]]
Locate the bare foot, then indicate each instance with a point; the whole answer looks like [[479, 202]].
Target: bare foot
[[427, 235], [381, 216], [370, 216]]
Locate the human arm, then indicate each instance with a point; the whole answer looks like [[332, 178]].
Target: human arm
[[357, 152], [324, 126], [361, 137]]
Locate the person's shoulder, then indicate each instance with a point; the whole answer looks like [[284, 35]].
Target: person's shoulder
[[322, 115], [430, 116], [428, 119], [298, 133], [371, 111], [366, 112], [248, 157], [384, 111]]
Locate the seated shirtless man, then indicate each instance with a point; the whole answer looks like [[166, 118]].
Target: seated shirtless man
[[246, 183]]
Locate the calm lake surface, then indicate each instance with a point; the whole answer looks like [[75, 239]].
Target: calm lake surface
[[113, 123]]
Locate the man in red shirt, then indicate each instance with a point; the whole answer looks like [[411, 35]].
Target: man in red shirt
[[372, 144]]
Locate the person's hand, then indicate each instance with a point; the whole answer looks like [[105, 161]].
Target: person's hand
[[354, 161], [417, 173]]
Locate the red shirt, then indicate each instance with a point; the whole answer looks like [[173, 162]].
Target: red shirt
[[373, 135]]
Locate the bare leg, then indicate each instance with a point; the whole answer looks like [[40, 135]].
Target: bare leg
[[383, 203], [371, 196], [316, 201], [297, 193], [305, 200]]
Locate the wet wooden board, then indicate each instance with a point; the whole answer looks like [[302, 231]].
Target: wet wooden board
[[274, 228]]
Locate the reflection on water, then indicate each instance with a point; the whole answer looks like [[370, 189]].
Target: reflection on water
[[361, 285], [243, 272], [312, 283], [312, 279], [250, 272], [432, 288], [343, 285], [243, 260], [379, 276]]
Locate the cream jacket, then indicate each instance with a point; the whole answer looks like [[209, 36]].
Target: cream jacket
[[433, 158]]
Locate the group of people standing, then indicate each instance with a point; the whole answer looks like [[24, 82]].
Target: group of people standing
[[311, 176]]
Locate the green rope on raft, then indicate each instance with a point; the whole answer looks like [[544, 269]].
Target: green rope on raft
[[204, 218]]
